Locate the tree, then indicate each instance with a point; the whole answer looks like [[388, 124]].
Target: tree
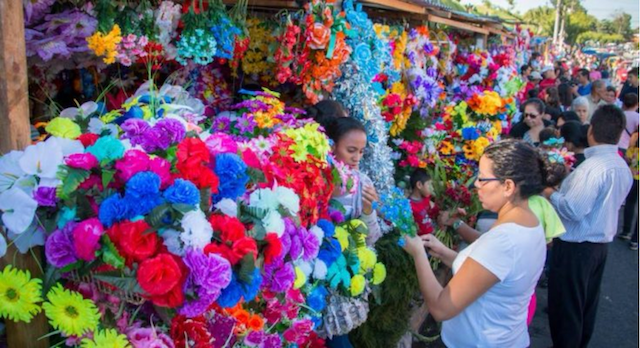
[[512, 5], [541, 19], [579, 22], [621, 24], [599, 37]]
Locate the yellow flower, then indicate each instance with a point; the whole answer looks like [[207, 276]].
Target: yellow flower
[[108, 338], [301, 279], [69, 312], [343, 237], [308, 140], [446, 148], [379, 273], [63, 128], [367, 258], [19, 295], [105, 45], [357, 285], [110, 116]]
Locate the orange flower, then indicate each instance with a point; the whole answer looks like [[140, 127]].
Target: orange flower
[[242, 316], [319, 36], [256, 323], [328, 17]]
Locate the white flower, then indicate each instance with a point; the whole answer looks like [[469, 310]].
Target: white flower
[[320, 270], [67, 146], [305, 267], [83, 111], [10, 171], [96, 126], [33, 236], [263, 199], [228, 207], [3, 245], [273, 223], [18, 210], [172, 241], [197, 230], [318, 232], [288, 199], [42, 159]]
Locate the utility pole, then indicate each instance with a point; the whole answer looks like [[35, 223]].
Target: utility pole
[[557, 23]]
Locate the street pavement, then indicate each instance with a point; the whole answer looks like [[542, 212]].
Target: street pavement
[[617, 320]]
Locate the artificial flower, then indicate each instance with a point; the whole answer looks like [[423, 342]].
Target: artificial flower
[[59, 248], [106, 44], [106, 338], [63, 128], [86, 238], [69, 312], [379, 273], [19, 295], [18, 210], [357, 285]]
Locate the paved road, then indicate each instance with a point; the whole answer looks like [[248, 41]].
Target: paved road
[[617, 321]]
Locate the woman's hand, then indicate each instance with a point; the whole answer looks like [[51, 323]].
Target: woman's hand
[[413, 245], [434, 246], [369, 195], [447, 218]]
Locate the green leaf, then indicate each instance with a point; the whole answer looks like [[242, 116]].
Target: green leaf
[[252, 212], [128, 284], [107, 176], [258, 231], [110, 254], [154, 219], [205, 199], [70, 267], [256, 175], [247, 266], [183, 208], [71, 179]]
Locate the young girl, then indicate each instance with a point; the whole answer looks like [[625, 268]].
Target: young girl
[[349, 141]]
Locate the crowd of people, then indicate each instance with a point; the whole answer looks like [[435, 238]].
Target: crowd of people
[[543, 225]]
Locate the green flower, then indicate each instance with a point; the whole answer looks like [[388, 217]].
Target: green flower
[[63, 128]]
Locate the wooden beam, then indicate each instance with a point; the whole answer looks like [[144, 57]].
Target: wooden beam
[[15, 134], [396, 5], [459, 25]]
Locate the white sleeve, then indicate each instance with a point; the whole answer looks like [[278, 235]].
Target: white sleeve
[[494, 251]]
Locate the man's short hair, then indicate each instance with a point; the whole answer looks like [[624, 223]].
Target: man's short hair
[[607, 124], [583, 72], [634, 71], [630, 100]]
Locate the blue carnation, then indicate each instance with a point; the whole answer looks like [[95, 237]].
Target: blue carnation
[[182, 192], [142, 193], [113, 209], [470, 133], [232, 294], [251, 290], [327, 227], [329, 252], [232, 172], [317, 299]]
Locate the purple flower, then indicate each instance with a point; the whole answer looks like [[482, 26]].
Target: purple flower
[[45, 196], [221, 124], [172, 130], [246, 124], [59, 248], [221, 329], [34, 10], [134, 130], [260, 339], [252, 105], [279, 276], [209, 275], [311, 246], [142, 337]]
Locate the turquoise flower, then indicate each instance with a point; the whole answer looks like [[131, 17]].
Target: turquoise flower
[[107, 149]]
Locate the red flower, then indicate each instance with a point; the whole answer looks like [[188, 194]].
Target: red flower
[[243, 247], [134, 241], [192, 152], [88, 139], [230, 228], [273, 248], [190, 332], [159, 275], [172, 299]]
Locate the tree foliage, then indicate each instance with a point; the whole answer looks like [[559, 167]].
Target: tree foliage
[[601, 37]]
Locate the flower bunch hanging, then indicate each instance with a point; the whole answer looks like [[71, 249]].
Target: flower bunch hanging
[[106, 45], [397, 106]]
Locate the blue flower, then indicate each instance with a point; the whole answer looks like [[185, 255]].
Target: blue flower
[[470, 133], [327, 227], [330, 251], [143, 193], [232, 294], [232, 172], [317, 299], [113, 209], [182, 192], [251, 290]]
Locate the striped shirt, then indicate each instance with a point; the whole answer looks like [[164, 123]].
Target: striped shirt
[[590, 197]]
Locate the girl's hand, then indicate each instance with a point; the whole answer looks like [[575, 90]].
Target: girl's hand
[[435, 247], [413, 245], [369, 195]]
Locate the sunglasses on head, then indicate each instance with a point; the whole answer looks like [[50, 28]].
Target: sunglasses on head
[[532, 116]]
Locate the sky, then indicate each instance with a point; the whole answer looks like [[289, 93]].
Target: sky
[[598, 8]]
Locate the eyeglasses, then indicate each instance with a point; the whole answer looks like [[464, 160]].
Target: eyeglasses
[[531, 116], [485, 180]]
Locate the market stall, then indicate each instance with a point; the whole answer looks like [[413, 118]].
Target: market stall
[[177, 192]]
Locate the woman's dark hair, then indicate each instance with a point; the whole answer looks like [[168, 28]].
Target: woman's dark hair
[[611, 89], [546, 134], [564, 94], [556, 172], [325, 111], [418, 175], [539, 104], [607, 124], [569, 116], [553, 97], [340, 126], [575, 133], [524, 67], [521, 162], [553, 112], [533, 93]]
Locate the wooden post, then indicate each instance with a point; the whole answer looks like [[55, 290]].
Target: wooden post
[[15, 134]]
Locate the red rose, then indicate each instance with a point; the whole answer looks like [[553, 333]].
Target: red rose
[[88, 139], [220, 249], [243, 247], [193, 152], [191, 332], [230, 228], [172, 299], [135, 241], [159, 275], [273, 248]]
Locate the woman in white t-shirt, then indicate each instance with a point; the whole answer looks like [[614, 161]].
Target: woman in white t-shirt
[[485, 303]]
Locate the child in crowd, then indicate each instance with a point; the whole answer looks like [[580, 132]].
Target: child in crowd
[[424, 210]]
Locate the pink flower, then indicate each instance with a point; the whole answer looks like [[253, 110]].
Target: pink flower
[[249, 157], [86, 238], [133, 162], [162, 167], [221, 143], [84, 161], [299, 331]]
